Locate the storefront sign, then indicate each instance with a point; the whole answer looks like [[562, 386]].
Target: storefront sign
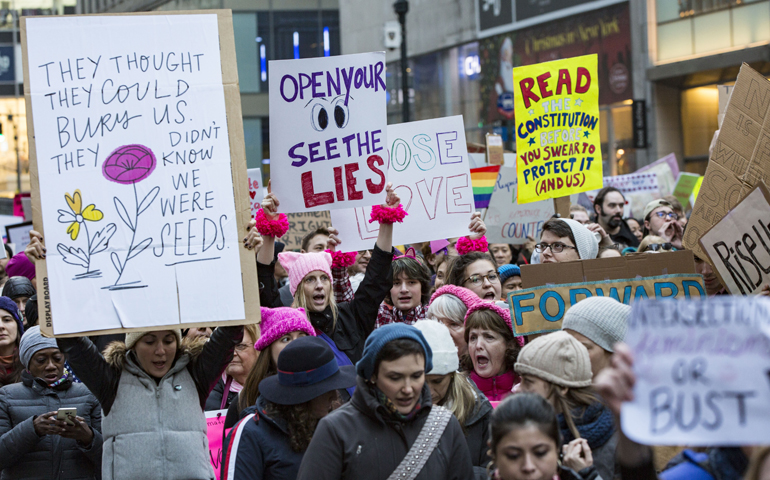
[[494, 13], [557, 128]]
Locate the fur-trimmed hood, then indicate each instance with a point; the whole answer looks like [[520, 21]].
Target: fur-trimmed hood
[[115, 352]]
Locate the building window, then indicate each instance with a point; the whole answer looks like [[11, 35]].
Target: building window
[[247, 51], [696, 27]]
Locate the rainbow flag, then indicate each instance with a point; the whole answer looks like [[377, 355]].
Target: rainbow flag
[[483, 181]]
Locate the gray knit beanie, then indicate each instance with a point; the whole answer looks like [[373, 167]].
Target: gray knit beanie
[[603, 320], [32, 342], [557, 358], [133, 337], [585, 240]]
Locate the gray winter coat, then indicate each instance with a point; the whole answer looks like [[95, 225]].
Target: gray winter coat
[[154, 428], [23, 454], [360, 441]]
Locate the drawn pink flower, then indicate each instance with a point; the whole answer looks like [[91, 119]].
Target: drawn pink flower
[[129, 164]]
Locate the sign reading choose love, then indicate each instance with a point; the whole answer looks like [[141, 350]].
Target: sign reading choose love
[[328, 132]]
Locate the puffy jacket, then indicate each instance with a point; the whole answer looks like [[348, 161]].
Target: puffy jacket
[[154, 428], [477, 434], [261, 449], [355, 319], [359, 440], [23, 454]]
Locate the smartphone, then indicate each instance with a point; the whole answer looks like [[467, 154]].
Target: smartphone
[[67, 415]]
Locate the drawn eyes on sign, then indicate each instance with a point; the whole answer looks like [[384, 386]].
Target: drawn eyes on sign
[[341, 113], [319, 118]]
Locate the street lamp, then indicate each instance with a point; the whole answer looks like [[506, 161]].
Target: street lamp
[[401, 8]]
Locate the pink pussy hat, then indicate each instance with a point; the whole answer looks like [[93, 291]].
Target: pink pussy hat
[[297, 265], [277, 322]]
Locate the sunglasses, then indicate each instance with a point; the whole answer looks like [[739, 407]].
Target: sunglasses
[[654, 247]]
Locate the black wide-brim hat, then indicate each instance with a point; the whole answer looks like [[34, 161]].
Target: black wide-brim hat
[[307, 369]]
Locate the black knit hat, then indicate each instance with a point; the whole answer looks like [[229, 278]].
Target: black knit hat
[[307, 369], [30, 311], [17, 287]]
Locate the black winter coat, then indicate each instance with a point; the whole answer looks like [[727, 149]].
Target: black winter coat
[[355, 319], [360, 440], [25, 455], [214, 402], [477, 434], [261, 448]]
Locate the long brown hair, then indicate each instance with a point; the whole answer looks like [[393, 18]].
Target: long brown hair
[[263, 368], [486, 319], [13, 373], [572, 399], [299, 421]]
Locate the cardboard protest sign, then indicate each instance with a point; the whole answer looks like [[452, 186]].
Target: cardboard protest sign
[[494, 149], [509, 222], [667, 170], [639, 189], [684, 187], [740, 159], [215, 426], [559, 285], [702, 372], [557, 128], [542, 309], [138, 171], [739, 245], [301, 224], [430, 172], [256, 193], [328, 131]]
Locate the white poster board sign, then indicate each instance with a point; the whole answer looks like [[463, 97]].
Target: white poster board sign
[[703, 372], [430, 172], [328, 132], [134, 163], [508, 222], [667, 170], [256, 192], [739, 245]]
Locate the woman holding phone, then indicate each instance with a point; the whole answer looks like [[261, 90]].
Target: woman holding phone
[[34, 441]]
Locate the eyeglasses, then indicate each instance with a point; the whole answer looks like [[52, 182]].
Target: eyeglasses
[[557, 247], [654, 247], [477, 280], [669, 215], [242, 347]]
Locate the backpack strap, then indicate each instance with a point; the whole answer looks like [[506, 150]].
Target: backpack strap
[[423, 446]]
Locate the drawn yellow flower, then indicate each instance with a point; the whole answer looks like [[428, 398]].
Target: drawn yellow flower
[[78, 214]]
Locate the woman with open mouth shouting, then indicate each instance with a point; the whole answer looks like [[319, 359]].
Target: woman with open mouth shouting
[[492, 350], [344, 326]]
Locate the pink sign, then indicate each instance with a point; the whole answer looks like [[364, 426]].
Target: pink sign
[[215, 421]]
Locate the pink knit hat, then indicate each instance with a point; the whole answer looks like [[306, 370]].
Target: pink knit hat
[[501, 312], [466, 296], [277, 322], [297, 265]]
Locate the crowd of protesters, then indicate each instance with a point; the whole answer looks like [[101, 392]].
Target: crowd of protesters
[[379, 364]]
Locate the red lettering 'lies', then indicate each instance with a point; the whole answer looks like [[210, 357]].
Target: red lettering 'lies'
[[313, 199]]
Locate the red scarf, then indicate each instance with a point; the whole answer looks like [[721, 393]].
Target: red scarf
[[498, 387]]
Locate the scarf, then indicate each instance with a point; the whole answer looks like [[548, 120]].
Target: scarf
[[391, 408], [234, 386], [60, 380], [6, 362], [595, 425], [390, 314], [495, 388]]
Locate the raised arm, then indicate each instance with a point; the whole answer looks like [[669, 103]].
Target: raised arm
[[217, 353], [92, 369]]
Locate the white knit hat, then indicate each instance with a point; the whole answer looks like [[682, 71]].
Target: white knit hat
[[437, 335], [585, 240], [557, 358], [603, 320], [133, 337]]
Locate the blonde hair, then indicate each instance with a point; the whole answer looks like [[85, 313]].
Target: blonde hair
[[649, 240], [253, 330], [571, 399], [460, 398], [758, 458], [300, 301]]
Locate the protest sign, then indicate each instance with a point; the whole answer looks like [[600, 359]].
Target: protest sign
[[483, 181], [637, 188], [18, 235], [684, 187], [551, 288], [557, 128], [430, 172], [138, 171], [667, 170], [509, 222], [702, 372], [733, 244], [494, 149], [301, 224], [739, 160], [256, 193], [328, 132], [215, 427]]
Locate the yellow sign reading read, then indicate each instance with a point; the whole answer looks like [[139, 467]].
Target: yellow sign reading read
[[556, 105]]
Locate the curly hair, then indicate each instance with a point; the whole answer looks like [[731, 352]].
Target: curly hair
[[489, 320], [299, 421]]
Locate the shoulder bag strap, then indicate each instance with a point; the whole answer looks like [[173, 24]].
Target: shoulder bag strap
[[426, 442]]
